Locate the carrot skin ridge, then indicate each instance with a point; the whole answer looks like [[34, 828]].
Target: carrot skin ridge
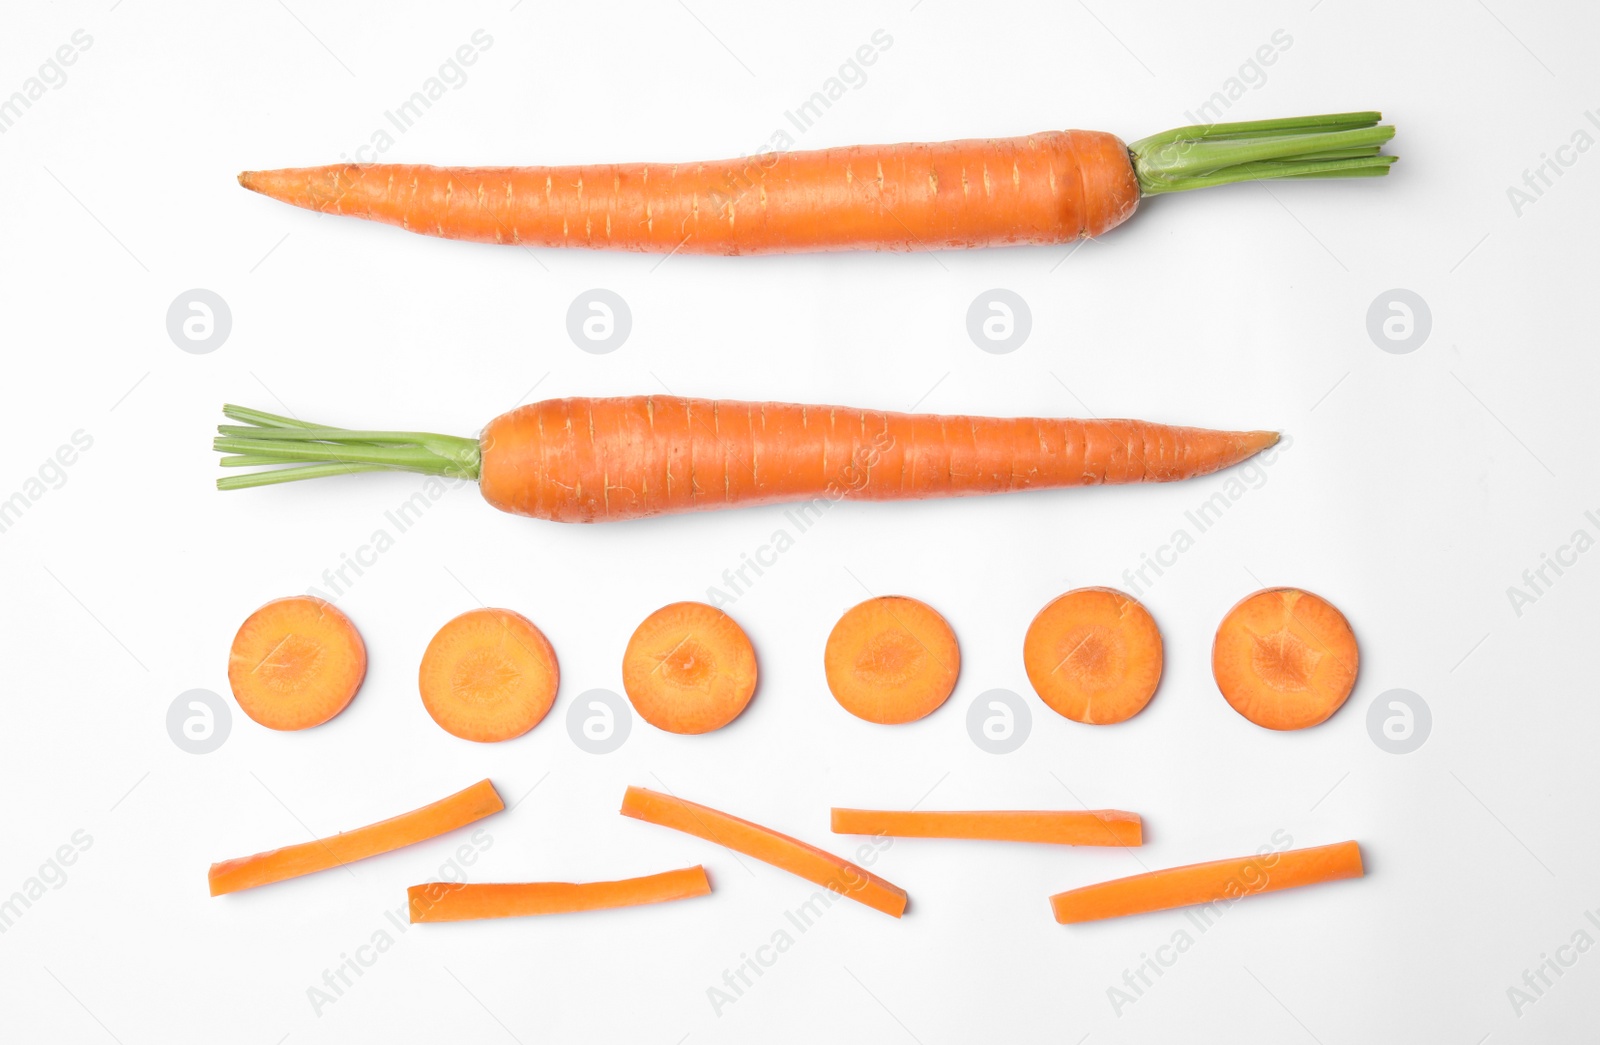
[[1209, 882], [429, 821], [781, 851], [1094, 827], [461, 901], [1050, 187], [594, 460]]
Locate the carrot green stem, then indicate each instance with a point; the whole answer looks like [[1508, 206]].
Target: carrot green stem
[[309, 451], [1338, 145]]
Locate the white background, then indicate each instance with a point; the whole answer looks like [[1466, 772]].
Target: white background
[[1417, 489]]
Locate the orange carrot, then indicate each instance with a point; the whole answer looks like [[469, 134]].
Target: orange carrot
[[1057, 826], [488, 675], [461, 902], [447, 814], [1094, 655], [768, 846], [594, 460], [1285, 658], [891, 659], [689, 668], [1219, 880], [296, 663], [1050, 187]]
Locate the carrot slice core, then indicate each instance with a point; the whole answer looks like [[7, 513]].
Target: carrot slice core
[[296, 663], [489, 675], [689, 668], [1285, 658], [447, 814], [1218, 880], [461, 902], [1094, 655], [1061, 827], [891, 659], [768, 846]]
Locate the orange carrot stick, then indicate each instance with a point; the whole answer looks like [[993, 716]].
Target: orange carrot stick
[[1219, 880], [595, 460], [1050, 187], [781, 851], [461, 902], [1285, 658], [1057, 826], [447, 814], [296, 663]]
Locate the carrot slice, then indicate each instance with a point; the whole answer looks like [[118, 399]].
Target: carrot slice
[[489, 675], [447, 814], [1059, 826], [460, 902], [1285, 658], [1094, 655], [689, 668], [891, 659], [768, 846], [1209, 882], [296, 662]]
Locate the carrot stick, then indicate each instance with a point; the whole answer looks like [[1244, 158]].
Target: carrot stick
[[689, 668], [276, 865], [488, 675], [296, 663], [1051, 187], [781, 851], [891, 660], [1207, 883], [1285, 658], [1094, 655], [594, 460], [461, 902], [1057, 826]]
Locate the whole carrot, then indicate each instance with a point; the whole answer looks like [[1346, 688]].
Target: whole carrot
[[1051, 187], [600, 460]]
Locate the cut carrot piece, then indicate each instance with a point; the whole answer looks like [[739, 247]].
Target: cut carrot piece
[[891, 659], [1219, 880], [1285, 658], [447, 814], [296, 662], [1061, 827], [768, 846], [689, 668], [1094, 655], [460, 902], [489, 675]]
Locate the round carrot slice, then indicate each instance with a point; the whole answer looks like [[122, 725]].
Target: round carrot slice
[[1094, 655], [296, 662], [1285, 658], [488, 675], [689, 668], [891, 659]]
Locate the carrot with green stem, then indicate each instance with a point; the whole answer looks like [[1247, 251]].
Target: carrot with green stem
[[598, 460], [1051, 187]]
